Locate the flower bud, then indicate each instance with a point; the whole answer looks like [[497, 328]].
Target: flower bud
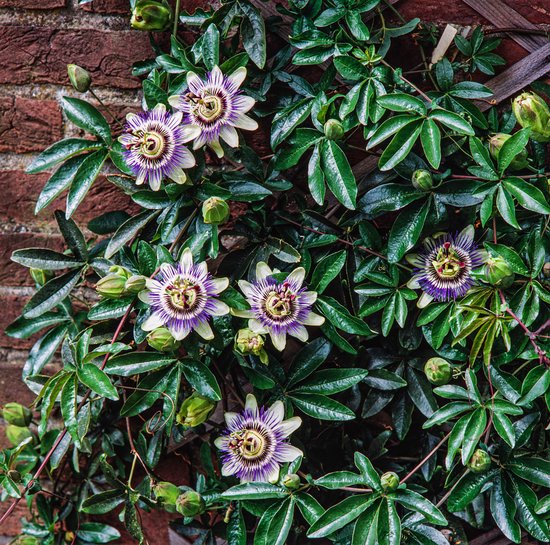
[[333, 129], [111, 286], [291, 481], [190, 503], [215, 211], [16, 414], [79, 77], [422, 179], [150, 15], [533, 113], [497, 141], [498, 272], [248, 342], [480, 461], [162, 340], [17, 434], [389, 481], [195, 410], [167, 494], [546, 270], [25, 540], [120, 271], [438, 371], [40, 276], [135, 283]]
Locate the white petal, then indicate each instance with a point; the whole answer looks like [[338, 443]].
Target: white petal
[[179, 334], [297, 276], [140, 178], [262, 271], [204, 330], [216, 147], [278, 340], [288, 453], [220, 284], [186, 259], [468, 232], [251, 404], [245, 104], [175, 101], [314, 319], [256, 326], [246, 123], [190, 132], [238, 76], [246, 288], [160, 108], [178, 176], [192, 79], [414, 260], [273, 476], [300, 332], [145, 296], [413, 283], [308, 297], [202, 268], [276, 412], [242, 313], [230, 418], [155, 178], [424, 301], [228, 469], [154, 321], [291, 425], [219, 308], [230, 135], [221, 442]]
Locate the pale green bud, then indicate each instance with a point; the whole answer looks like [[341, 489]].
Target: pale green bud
[[291, 481], [16, 414], [480, 461], [389, 481], [25, 540], [150, 15], [215, 211], [167, 494], [190, 503], [496, 141], [17, 434], [111, 286], [498, 272], [333, 129], [422, 179], [438, 371], [533, 113], [248, 342], [40, 276], [135, 283], [79, 77], [195, 410], [162, 340]]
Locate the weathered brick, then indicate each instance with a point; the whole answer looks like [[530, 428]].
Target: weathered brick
[[455, 11], [40, 55], [28, 124], [108, 6], [33, 4]]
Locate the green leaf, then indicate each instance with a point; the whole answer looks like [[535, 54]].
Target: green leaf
[[43, 258], [96, 532], [327, 269], [135, 363], [452, 121], [504, 428], [59, 152], [301, 140], [87, 117], [332, 381], [505, 205], [73, 236], [503, 510], [109, 309], [43, 351], [527, 195], [96, 379], [430, 137], [535, 384], [202, 379], [340, 317], [406, 230], [350, 68], [401, 102], [473, 432], [102, 503], [321, 407], [339, 479], [446, 413], [307, 360], [22, 328], [367, 470], [534, 470], [468, 489], [253, 34], [388, 128], [128, 230], [309, 507], [526, 500], [510, 256], [388, 198], [338, 173], [382, 379], [400, 146], [254, 491], [211, 46], [280, 523], [51, 294], [511, 148], [365, 531], [286, 120], [415, 502]]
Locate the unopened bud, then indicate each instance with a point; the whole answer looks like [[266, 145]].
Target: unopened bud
[[135, 283], [248, 342], [215, 211], [496, 142], [333, 129], [17, 434], [40, 276], [438, 371], [422, 179], [150, 15], [480, 461], [389, 481], [190, 503], [79, 77], [195, 410], [16, 414], [533, 113], [498, 272], [111, 286], [291, 481], [167, 495], [162, 340]]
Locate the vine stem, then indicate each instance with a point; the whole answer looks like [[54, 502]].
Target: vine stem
[[425, 459], [176, 18], [416, 88]]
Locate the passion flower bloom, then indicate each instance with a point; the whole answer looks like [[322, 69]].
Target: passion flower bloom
[[444, 270], [214, 108], [255, 443], [279, 308], [183, 297], [154, 142]]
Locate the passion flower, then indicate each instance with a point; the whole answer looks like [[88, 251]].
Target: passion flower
[[279, 308], [444, 270], [214, 108], [255, 443], [183, 297], [154, 147]]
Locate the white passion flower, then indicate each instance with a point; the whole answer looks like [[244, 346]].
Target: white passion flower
[[279, 308], [255, 442], [214, 108], [183, 297], [154, 147]]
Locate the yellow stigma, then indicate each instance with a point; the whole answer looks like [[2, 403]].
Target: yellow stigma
[[249, 444]]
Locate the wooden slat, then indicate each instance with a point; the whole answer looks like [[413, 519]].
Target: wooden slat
[[503, 16], [519, 75]]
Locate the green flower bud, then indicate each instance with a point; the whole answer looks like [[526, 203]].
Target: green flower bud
[[79, 77], [150, 15], [438, 371], [25, 540], [135, 283], [17, 434], [17, 414], [195, 410], [533, 113], [497, 141], [167, 494], [162, 340], [111, 286], [498, 272], [120, 271], [215, 211], [333, 129], [480, 461], [190, 503], [389, 481], [248, 342], [40, 276], [546, 270], [291, 481], [14, 475], [422, 179]]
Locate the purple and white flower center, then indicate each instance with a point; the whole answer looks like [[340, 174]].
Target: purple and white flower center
[[152, 143], [449, 262], [280, 302], [249, 444], [208, 108], [184, 295]]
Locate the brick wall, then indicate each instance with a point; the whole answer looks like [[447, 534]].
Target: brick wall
[[38, 38]]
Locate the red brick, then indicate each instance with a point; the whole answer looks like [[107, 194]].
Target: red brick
[[453, 11], [40, 55], [33, 4], [28, 124], [108, 6]]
